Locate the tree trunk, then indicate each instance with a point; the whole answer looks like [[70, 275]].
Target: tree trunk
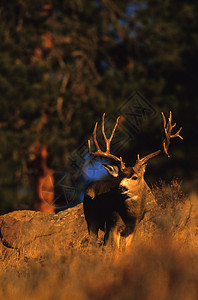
[[43, 181]]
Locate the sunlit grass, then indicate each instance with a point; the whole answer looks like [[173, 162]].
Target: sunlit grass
[[161, 264]]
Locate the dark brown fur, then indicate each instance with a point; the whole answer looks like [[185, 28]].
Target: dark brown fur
[[110, 207]]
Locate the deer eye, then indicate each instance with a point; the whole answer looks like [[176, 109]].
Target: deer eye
[[134, 177]]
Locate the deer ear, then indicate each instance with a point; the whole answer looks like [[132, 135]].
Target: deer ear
[[112, 170]]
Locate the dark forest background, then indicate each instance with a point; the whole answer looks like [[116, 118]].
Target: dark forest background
[[64, 63]]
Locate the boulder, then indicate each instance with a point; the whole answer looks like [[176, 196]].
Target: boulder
[[31, 234]]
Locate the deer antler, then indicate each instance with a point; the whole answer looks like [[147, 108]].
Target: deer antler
[[107, 153], [168, 129], [165, 144]]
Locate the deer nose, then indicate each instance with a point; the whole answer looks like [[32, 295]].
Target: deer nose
[[124, 189]]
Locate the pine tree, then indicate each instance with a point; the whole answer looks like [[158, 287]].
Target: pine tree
[[58, 70], [64, 63], [165, 69]]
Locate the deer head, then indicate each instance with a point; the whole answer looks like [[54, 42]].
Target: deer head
[[131, 177]]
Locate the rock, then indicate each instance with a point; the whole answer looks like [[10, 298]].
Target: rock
[[33, 233]]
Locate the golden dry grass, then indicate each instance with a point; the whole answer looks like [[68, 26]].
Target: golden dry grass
[[161, 264]]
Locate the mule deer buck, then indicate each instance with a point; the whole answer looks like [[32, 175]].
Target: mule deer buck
[[117, 205]]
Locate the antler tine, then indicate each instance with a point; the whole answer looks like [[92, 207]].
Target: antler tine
[[169, 125], [94, 136], [164, 119], [113, 131], [143, 160], [177, 134], [107, 153], [89, 146], [103, 129], [122, 163], [170, 118], [108, 140], [166, 142]]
